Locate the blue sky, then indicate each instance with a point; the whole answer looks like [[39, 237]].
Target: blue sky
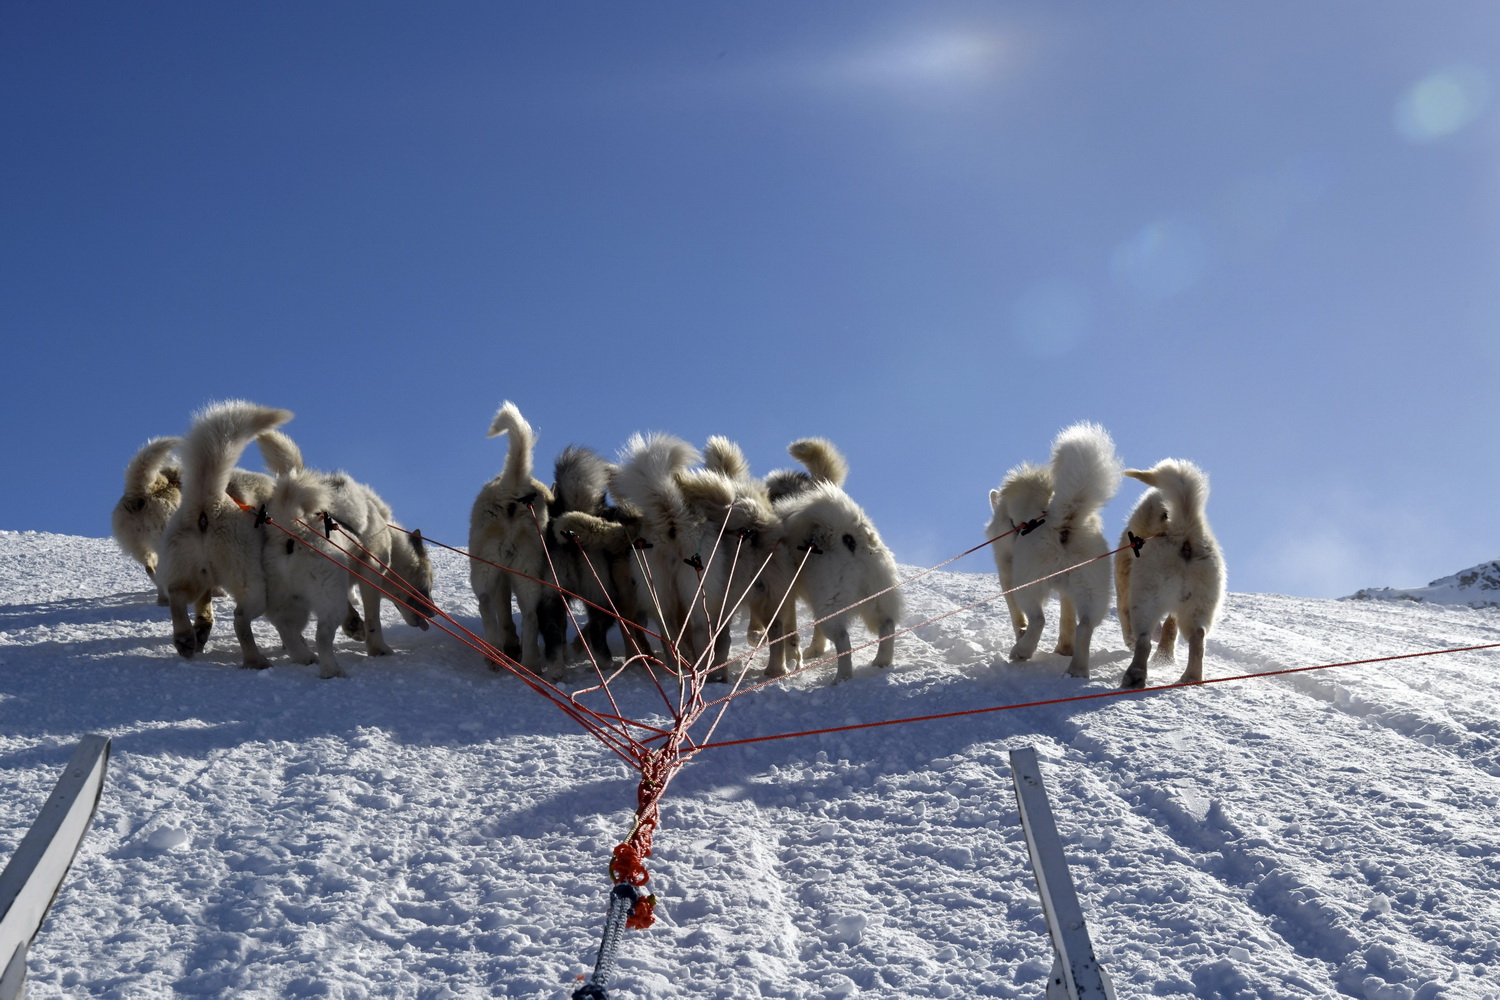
[[1263, 236]]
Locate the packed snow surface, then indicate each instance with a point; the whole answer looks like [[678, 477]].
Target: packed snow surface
[[428, 828]]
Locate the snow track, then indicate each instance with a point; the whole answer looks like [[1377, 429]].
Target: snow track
[[429, 829]]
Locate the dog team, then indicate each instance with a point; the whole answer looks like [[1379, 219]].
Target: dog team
[[665, 543]]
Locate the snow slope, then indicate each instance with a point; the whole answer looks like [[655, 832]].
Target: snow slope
[[429, 829], [1477, 587]]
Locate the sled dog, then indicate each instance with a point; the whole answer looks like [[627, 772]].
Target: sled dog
[[210, 541], [507, 532], [591, 554], [344, 532], [847, 569], [760, 567], [1066, 531], [676, 543], [1026, 488], [153, 490], [1176, 577]]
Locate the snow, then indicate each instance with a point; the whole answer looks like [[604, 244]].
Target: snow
[[430, 829], [1477, 587]]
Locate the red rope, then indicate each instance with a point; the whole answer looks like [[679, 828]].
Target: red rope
[[1115, 693]]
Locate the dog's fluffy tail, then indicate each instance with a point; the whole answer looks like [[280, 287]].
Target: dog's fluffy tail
[[646, 476], [298, 494], [1085, 471], [580, 477], [1183, 487], [279, 452], [147, 464], [723, 456], [508, 420], [823, 462], [218, 437]]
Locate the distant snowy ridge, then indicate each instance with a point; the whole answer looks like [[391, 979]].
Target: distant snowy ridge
[[1478, 587]]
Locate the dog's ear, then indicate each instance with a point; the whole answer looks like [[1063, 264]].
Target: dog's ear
[[994, 501], [416, 541], [1147, 476]]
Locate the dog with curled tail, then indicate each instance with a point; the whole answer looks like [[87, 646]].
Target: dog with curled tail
[[1170, 572], [153, 491], [214, 539], [1062, 546]]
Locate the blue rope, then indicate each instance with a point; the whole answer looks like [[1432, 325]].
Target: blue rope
[[622, 900]]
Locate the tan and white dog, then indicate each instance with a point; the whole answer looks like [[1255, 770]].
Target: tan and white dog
[[674, 542], [1174, 576], [211, 540], [1062, 550], [507, 532], [343, 523], [847, 570], [153, 491]]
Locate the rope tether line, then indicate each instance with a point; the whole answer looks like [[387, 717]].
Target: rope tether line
[[658, 753]]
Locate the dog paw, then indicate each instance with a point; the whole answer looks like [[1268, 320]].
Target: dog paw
[[1082, 673], [1133, 682], [256, 663]]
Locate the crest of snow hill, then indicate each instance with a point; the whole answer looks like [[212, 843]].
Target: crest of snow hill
[[1478, 587]]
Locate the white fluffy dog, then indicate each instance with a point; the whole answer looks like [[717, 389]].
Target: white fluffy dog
[[1084, 475], [1178, 576], [847, 569], [339, 524], [153, 491], [211, 541], [507, 531], [675, 545]]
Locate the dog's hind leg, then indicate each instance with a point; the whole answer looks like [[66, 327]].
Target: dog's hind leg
[[1030, 601], [1197, 639], [1135, 674], [1166, 643], [243, 616], [328, 627], [1067, 629], [369, 598], [1083, 634], [354, 625], [840, 636], [188, 636], [885, 653]]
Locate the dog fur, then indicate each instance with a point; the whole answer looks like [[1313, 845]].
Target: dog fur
[[210, 541], [153, 491], [311, 573], [507, 532], [822, 462], [1084, 474], [751, 541], [598, 571], [847, 569], [676, 542], [607, 542], [1178, 580], [1027, 487]]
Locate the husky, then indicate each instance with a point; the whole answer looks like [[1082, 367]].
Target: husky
[[339, 529], [507, 532], [823, 463], [609, 545], [1174, 575], [1026, 488], [845, 567], [748, 540], [1066, 531], [676, 546], [153, 490], [596, 571], [212, 540], [283, 457]]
